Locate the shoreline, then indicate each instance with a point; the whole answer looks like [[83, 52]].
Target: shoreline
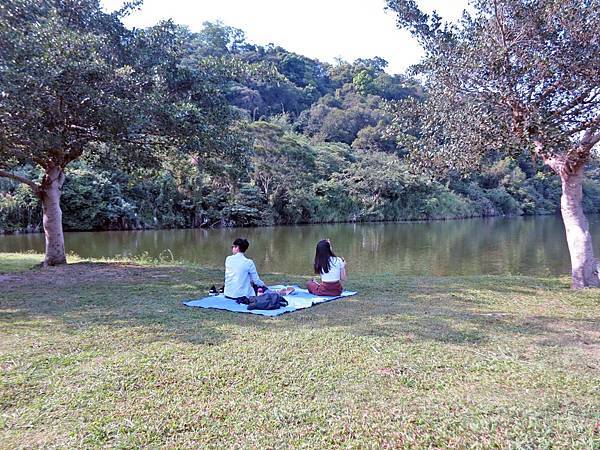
[[443, 219]]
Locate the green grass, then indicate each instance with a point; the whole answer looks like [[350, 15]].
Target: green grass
[[104, 355], [15, 262]]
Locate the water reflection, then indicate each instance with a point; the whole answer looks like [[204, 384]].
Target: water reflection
[[531, 245]]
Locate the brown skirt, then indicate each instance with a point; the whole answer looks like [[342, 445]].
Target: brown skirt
[[331, 289]]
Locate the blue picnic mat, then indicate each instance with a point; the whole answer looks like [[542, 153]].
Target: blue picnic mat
[[299, 299]]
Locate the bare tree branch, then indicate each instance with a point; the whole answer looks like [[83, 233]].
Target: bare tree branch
[[548, 91], [500, 24], [575, 102], [591, 137], [20, 179]]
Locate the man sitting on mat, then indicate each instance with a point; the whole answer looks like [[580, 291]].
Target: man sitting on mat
[[241, 278]]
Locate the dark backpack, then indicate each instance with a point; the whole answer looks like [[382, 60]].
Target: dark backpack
[[269, 300]]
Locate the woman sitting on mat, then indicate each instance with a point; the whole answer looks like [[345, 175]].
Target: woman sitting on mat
[[331, 268]]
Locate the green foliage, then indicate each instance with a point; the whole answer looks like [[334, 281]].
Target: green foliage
[[217, 39], [363, 82], [249, 207], [333, 202], [376, 138], [19, 209], [96, 201], [339, 118], [285, 179], [591, 196], [76, 82]]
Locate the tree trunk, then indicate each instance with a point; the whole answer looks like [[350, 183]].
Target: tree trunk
[[50, 195], [584, 266]]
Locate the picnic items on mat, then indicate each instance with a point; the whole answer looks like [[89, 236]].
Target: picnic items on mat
[[297, 299]]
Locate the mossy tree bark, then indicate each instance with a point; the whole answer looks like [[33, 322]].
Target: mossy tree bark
[[584, 267], [49, 193]]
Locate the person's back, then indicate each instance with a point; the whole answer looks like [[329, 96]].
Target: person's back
[[240, 272], [336, 266], [331, 268]]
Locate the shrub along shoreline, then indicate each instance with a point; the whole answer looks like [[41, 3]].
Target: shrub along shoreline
[[102, 353], [38, 229]]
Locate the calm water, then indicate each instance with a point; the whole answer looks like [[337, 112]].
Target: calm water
[[530, 245]]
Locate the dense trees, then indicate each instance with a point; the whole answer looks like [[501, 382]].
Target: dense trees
[[515, 76], [284, 178]]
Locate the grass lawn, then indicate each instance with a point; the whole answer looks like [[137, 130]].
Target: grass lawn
[[104, 355]]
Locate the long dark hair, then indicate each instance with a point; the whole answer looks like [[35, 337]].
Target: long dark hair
[[322, 257]]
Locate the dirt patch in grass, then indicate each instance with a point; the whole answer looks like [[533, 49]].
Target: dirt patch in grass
[[85, 272], [7, 278], [583, 334]]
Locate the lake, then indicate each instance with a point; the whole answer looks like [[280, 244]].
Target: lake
[[518, 246]]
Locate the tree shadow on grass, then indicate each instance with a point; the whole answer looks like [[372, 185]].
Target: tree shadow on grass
[[445, 310], [461, 311], [119, 296]]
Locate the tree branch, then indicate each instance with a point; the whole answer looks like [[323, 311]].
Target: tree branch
[[589, 127], [548, 91], [500, 25], [558, 163], [577, 101], [580, 154], [20, 179], [591, 137], [594, 139]]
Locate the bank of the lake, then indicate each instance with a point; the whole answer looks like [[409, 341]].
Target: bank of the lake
[[103, 354]]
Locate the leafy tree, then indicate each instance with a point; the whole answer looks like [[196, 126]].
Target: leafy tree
[[363, 82], [376, 138], [376, 65], [515, 76], [248, 99], [283, 97], [75, 82], [396, 87], [95, 202], [248, 208], [339, 118], [341, 73], [19, 207], [283, 167], [217, 39], [300, 70], [331, 158]]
